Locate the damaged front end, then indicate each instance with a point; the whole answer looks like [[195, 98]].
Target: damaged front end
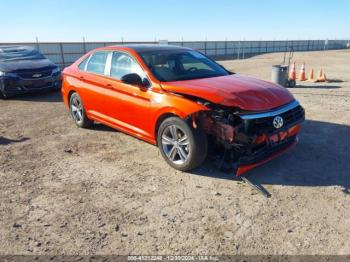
[[245, 140]]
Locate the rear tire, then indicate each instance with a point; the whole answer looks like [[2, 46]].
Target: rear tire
[[182, 146], [77, 111]]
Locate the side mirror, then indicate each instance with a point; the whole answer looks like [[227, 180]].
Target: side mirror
[[133, 79]]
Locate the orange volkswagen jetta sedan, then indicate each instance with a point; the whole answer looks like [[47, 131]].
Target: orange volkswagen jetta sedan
[[181, 100]]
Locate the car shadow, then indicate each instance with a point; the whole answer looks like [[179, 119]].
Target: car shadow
[[335, 80], [320, 159], [7, 141], [101, 127], [48, 96], [315, 86]]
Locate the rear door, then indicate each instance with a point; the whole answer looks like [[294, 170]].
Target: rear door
[[128, 105], [93, 83]]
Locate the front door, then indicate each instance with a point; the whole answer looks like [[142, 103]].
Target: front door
[[128, 105]]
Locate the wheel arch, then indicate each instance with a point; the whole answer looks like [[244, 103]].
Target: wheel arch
[[160, 120], [71, 92], [174, 112]]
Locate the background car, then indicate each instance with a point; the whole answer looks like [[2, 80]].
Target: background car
[[23, 69]]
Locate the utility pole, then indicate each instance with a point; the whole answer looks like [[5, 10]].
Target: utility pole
[[239, 49], [84, 45], [243, 48], [37, 43]]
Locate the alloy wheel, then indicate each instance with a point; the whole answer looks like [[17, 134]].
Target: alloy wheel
[[77, 109], [175, 144]]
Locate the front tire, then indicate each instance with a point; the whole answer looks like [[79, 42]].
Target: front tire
[[182, 146], [77, 111]]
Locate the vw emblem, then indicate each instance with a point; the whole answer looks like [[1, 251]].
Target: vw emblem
[[36, 75], [277, 122]]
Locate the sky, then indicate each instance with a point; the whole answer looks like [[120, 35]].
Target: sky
[[174, 20]]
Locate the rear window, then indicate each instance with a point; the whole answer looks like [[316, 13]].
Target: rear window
[[97, 63], [19, 53], [82, 65]]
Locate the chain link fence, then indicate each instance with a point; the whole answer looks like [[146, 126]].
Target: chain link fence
[[65, 53]]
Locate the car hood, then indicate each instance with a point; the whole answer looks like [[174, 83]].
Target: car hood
[[20, 65], [240, 91]]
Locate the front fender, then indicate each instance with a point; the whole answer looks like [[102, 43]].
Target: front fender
[[173, 105]]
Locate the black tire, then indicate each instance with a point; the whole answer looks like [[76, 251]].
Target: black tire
[[2, 96], [81, 120], [291, 83], [197, 144]]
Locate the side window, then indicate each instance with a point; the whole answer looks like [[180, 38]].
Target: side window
[[97, 63], [123, 64], [82, 65]]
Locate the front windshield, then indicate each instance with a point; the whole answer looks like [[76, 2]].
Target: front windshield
[[176, 65], [19, 53]]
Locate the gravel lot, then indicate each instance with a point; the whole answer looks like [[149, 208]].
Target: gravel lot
[[66, 190]]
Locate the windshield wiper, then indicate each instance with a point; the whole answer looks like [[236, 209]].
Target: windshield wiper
[[197, 77]]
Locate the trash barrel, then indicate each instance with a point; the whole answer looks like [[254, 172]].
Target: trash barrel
[[279, 74]]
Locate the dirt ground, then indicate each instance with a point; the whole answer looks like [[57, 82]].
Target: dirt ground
[[65, 190]]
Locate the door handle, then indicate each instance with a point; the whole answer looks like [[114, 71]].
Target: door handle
[[82, 78], [109, 86]]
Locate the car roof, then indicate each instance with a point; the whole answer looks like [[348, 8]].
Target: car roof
[[153, 47], [10, 48]]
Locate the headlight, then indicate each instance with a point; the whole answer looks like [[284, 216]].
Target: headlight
[[56, 70], [7, 74]]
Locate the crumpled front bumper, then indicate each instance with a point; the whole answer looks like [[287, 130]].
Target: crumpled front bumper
[[269, 152]]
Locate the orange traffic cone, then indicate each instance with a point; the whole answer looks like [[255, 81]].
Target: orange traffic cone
[[293, 73], [321, 76], [302, 76], [311, 76]]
